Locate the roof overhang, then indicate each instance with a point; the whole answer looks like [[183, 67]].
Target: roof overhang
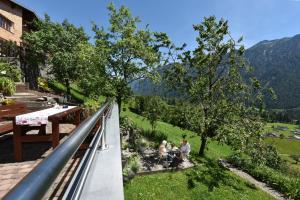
[[27, 10]]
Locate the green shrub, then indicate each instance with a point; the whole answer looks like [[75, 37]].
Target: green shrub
[[273, 158], [131, 168], [91, 106], [154, 135], [7, 102], [124, 145], [127, 124], [134, 165], [288, 185], [266, 154], [141, 144], [139, 106], [7, 86], [43, 84], [10, 71], [296, 158]]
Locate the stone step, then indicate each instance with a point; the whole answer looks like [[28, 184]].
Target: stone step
[[23, 96], [36, 105], [32, 99], [22, 87]]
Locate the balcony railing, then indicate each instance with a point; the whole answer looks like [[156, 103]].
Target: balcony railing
[[37, 183]]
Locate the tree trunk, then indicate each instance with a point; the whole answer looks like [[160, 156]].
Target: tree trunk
[[203, 145], [68, 89], [31, 73], [153, 127]]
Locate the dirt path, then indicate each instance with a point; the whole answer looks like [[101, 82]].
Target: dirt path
[[264, 187]]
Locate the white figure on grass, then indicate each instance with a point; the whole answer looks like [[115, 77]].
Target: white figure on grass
[[185, 149]]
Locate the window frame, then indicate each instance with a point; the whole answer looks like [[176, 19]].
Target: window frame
[[6, 24]]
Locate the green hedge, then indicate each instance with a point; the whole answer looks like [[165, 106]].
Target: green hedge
[[287, 185]]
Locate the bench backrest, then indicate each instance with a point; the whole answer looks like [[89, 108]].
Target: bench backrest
[[17, 108]]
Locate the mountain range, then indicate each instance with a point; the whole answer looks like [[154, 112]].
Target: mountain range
[[276, 64]]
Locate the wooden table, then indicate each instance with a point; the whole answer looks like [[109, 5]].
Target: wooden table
[[20, 136]]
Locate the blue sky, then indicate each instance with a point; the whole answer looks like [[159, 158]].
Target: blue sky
[[255, 20]]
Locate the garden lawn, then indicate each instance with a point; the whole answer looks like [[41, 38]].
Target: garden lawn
[[174, 185], [174, 135], [76, 92], [269, 128], [285, 146]]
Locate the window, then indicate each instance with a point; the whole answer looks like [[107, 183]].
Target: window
[[6, 23]]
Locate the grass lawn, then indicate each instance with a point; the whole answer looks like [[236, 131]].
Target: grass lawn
[[286, 146], [175, 135], [76, 92], [174, 185], [269, 129]]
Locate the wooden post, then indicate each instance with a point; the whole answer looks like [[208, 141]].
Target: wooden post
[[77, 118], [17, 139], [55, 133], [42, 130]]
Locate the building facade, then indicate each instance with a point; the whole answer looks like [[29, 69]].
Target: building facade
[[15, 19]]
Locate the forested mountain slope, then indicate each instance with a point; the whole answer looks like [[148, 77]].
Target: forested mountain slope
[[276, 63]]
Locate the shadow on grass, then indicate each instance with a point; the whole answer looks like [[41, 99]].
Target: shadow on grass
[[61, 88], [212, 174], [76, 90]]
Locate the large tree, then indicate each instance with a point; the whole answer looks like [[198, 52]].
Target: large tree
[[211, 78], [154, 108], [127, 52], [57, 45]]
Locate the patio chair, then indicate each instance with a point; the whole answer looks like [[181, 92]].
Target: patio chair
[[166, 159]]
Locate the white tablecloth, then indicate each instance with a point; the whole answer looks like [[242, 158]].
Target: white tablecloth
[[39, 117]]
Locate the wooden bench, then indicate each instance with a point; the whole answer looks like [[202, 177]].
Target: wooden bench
[[6, 128], [17, 108], [20, 135]]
